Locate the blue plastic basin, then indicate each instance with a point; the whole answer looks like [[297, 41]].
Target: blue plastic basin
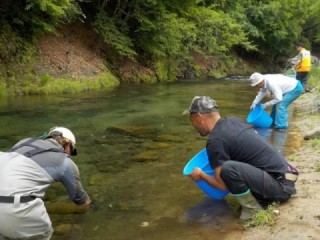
[[201, 161], [259, 118]]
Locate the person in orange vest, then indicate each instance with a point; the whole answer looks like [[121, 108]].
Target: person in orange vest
[[303, 64]]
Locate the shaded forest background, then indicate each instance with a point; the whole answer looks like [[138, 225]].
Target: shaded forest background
[[149, 40]]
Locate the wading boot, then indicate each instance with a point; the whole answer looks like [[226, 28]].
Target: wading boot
[[249, 205]]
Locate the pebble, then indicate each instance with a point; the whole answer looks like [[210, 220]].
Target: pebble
[[144, 224]]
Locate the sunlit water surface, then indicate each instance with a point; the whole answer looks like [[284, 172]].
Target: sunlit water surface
[[133, 143]]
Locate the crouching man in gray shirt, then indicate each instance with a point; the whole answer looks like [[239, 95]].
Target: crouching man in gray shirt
[[27, 170]]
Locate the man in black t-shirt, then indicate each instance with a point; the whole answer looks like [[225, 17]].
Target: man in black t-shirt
[[243, 162]]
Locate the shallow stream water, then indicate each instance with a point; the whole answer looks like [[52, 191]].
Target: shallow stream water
[[133, 144]]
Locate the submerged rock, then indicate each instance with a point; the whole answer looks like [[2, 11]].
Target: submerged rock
[[62, 229], [117, 139], [169, 138], [136, 131], [156, 145], [65, 208], [125, 134], [145, 156]]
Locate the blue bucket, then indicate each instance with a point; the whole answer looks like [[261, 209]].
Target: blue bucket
[[259, 118], [201, 161]]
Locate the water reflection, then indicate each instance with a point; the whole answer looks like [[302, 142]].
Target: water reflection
[[279, 139]]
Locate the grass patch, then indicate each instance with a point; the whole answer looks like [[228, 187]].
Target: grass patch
[[293, 158], [46, 84], [317, 166], [315, 143], [266, 217], [314, 78]]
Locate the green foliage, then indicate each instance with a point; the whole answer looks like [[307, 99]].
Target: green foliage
[[22, 21], [27, 82], [217, 32], [272, 26], [312, 25], [165, 34], [114, 34], [45, 16], [33, 17], [143, 77], [57, 9], [12, 46], [49, 85], [314, 78], [44, 79], [279, 23], [166, 69]]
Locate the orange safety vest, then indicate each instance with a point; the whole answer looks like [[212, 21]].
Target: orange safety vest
[[305, 63]]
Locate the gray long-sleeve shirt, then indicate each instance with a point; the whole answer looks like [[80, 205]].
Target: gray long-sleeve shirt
[[31, 176]]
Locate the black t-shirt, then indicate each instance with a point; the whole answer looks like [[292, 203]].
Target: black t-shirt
[[234, 139]]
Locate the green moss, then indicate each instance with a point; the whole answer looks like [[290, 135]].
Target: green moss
[[70, 85], [46, 84], [199, 71], [166, 69], [217, 73], [143, 77], [44, 79]]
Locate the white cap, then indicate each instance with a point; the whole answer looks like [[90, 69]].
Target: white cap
[[65, 132], [256, 78]]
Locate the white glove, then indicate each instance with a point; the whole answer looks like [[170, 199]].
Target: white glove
[[253, 105]]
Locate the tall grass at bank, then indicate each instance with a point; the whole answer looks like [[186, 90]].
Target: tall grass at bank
[[46, 84]]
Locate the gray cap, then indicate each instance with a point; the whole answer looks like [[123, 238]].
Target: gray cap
[[202, 104]]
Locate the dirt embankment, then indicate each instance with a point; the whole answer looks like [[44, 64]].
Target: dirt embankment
[[299, 218], [77, 51], [73, 51]]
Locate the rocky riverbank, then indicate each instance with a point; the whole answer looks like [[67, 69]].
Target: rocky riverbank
[[300, 217]]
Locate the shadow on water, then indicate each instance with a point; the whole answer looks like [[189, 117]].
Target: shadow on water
[[215, 214], [133, 143]]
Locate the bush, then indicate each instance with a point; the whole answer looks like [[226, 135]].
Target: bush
[[314, 78]]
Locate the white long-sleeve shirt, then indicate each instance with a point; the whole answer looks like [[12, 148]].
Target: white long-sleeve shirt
[[277, 85]]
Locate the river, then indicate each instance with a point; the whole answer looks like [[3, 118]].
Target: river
[[133, 143]]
